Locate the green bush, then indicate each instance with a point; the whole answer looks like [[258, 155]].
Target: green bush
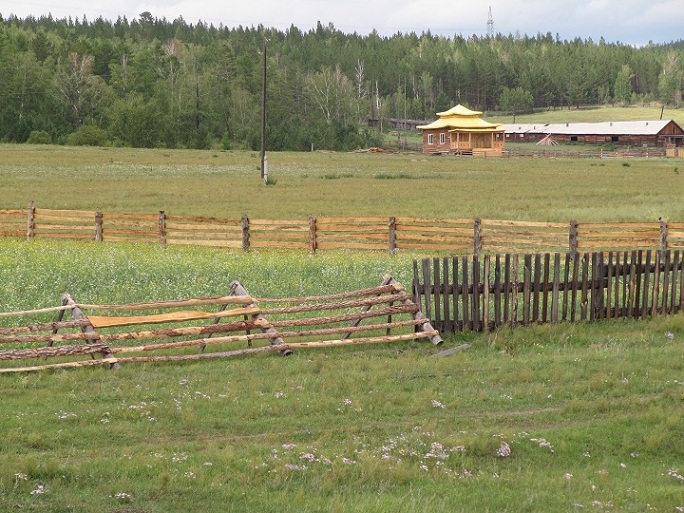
[[39, 137], [88, 135]]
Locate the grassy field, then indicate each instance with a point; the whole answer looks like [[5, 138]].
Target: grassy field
[[227, 184], [550, 418], [563, 418]]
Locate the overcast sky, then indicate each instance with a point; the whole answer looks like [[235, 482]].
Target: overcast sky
[[633, 22]]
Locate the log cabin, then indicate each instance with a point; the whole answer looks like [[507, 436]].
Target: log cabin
[[461, 131]]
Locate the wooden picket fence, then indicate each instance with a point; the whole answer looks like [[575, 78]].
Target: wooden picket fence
[[393, 234], [481, 294]]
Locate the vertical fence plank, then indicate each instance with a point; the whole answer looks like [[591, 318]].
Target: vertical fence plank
[[466, 295], [313, 235], [680, 306], [507, 288], [625, 282], [245, 232], [673, 292], [616, 289], [436, 293], [594, 313], [555, 294], [527, 282], [585, 285], [98, 226], [575, 285], [485, 293], [514, 292], [647, 277], [456, 292], [427, 288], [666, 282], [392, 236], [639, 279], [566, 289], [656, 284], [476, 294], [545, 287], [497, 291], [446, 289], [477, 237], [162, 228], [537, 289], [609, 286], [632, 286]]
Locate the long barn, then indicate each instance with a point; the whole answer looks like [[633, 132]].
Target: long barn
[[656, 134]]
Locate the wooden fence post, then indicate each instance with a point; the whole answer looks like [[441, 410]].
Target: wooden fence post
[[572, 237], [31, 221], [663, 235], [392, 235], [162, 228], [98, 226], [245, 232], [477, 240], [313, 245]]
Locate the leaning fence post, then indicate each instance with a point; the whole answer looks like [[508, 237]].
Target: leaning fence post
[[477, 239], [98, 226], [162, 228], [392, 235], [313, 244], [663, 235], [31, 221], [572, 237], [245, 232]]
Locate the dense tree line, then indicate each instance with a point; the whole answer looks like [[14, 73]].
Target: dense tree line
[[151, 82]]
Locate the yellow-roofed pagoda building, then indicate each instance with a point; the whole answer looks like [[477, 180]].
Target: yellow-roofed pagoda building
[[461, 131]]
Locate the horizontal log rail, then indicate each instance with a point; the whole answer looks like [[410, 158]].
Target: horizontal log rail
[[381, 314], [392, 234]]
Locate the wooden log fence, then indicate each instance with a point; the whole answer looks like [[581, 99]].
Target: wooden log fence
[[116, 334], [392, 234], [485, 293]]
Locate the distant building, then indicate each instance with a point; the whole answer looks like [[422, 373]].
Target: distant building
[[461, 131], [655, 134]]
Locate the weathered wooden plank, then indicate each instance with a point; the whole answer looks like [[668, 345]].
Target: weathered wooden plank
[[435, 229], [490, 222], [465, 294], [485, 292], [101, 321], [514, 292], [647, 277], [476, 293], [428, 288], [632, 226], [585, 286], [432, 220], [202, 242], [656, 284], [328, 245], [666, 283], [609, 286], [507, 289], [436, 291], [555, 288], [536, 291], [545, 288], [446, 288], [527, 281], [455, 291], [632, 286], [353, 220], [625, 284], [675, 274], [497, 291]]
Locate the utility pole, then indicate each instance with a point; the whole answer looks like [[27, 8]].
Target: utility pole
[[263, 116]]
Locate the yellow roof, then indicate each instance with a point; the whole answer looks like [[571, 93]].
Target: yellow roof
[[459, 110], [459, 118]]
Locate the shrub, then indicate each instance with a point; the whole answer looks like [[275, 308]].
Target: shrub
[[88, 135], [39, 137]]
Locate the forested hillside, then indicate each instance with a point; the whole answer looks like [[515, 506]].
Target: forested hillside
[[155, 83]]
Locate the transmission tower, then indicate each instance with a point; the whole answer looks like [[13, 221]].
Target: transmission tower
[[490, 24]]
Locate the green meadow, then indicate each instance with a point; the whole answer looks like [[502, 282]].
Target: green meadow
[[571, 417], [226, 184]]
